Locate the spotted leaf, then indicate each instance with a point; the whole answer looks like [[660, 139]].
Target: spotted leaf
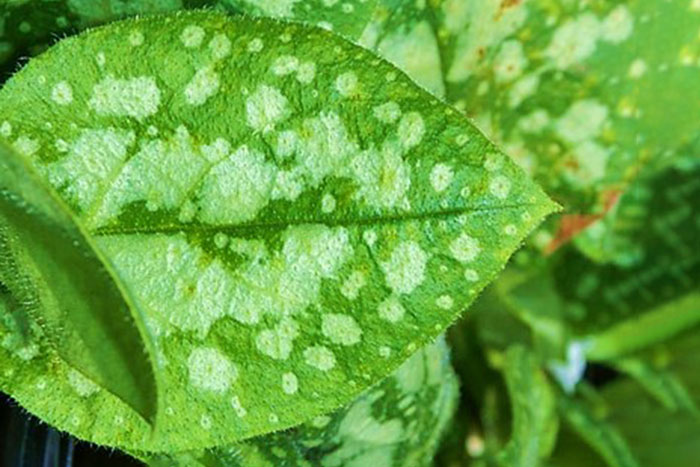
[[398, 422], [285, 206], [582, 97]]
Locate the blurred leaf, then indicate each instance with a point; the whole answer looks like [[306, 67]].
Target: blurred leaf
[[598, 433], [662, 384], [581, 95], [535, 421], [644, 330]]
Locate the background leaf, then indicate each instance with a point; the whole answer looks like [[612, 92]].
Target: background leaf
[[398, 422], [535, 421]]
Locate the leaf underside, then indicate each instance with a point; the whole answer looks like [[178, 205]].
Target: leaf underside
[[82, 313]]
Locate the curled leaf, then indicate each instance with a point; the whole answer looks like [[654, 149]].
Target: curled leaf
[[54, 278]]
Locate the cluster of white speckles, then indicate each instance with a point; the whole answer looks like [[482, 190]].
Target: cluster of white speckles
[[389, 112], [62, 93], [306, 72], [465, 248], [266, 107], [204, 84], [133, 97], [6, 129], [384, 351], [136, 38], [220, 47], [101, 59], [637, 69], [441, 177], [210, 370], [278, 342], [26, 145], [284, 65], [618, 25], [290, 383], [192, 36], [405, 269], [205, 422], [391, 310], [411, 130], [237, 407], [499, 186], [82, 385], [256, 45], [287, 142], [471, 275], [319, 357], [328, 203], [351, 287], [445, 302], [369, 237], [341, 329], [347, 84], [493, 162]]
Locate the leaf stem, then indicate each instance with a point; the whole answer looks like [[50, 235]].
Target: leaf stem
[[650, 328]]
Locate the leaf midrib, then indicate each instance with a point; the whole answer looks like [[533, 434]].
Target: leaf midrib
[[247, 228]]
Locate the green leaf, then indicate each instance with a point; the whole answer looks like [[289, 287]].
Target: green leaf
[[644, 330], [662, 266], [656, 435], [535, 421], [582, 96], [28, 27], [661, 384], [398, 422], [598, 433], [348, 18], [56, 279], [295, 216]]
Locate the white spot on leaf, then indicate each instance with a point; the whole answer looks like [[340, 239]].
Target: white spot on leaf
[[204, 84], [62, 93], [320, 357], [441, 177], [405, 269], [192, 36], [266, 107], [391, 310], [341, 329], [210, 370], [411, 130], [465, 248], [134, 97]]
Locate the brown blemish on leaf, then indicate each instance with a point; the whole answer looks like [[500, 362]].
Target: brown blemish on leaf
[[573, 224]]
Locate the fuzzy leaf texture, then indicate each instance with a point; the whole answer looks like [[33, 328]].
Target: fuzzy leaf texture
[[293, 214]]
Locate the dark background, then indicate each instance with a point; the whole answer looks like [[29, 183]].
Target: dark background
[[26, 442]]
